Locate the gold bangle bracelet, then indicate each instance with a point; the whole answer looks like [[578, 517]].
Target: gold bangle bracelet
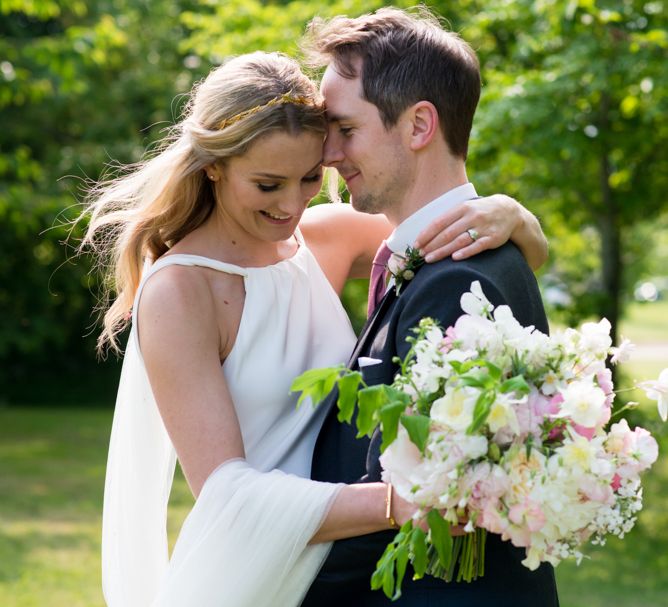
[[388, 508]]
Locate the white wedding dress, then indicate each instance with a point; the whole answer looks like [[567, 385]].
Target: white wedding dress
[[245, 543]]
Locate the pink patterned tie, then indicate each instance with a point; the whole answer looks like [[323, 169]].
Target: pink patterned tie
[[377, 282]]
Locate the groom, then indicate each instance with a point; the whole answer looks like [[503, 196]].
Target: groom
[[400, 95]]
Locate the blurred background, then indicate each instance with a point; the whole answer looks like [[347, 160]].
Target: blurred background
[[572, 122]]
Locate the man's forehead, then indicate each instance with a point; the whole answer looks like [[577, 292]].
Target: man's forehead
[[339, 91]]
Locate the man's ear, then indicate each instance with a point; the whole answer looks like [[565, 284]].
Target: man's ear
[[424, 120]]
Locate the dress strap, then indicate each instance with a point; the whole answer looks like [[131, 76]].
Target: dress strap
[[181, 259]]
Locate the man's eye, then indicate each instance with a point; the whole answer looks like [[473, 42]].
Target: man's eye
[[345, 131], [265, 187]]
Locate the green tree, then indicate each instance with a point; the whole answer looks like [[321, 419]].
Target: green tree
[[80, 84], [574, 119]]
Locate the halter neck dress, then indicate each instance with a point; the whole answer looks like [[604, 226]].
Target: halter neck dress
[[246, 540], [292, 321]]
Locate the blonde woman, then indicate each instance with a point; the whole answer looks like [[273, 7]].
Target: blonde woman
[[231, 286]]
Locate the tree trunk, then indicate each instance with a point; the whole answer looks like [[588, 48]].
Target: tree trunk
[[610, 230]]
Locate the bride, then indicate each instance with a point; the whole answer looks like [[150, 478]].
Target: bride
[[231, 286]]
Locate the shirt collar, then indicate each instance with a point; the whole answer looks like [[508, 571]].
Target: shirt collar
[[407, 231]]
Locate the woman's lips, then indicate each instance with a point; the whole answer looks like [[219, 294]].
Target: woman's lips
[[276, 220]]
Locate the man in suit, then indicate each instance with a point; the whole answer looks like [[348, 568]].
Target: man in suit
[[400, 94]]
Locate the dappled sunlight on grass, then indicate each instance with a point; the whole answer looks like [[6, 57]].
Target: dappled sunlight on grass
[[51, 483]]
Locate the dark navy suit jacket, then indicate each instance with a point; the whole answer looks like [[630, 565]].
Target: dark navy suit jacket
[[435, 291]]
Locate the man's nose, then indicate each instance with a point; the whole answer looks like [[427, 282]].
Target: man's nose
[[332, 153]]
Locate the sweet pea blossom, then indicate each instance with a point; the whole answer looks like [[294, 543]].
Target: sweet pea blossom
[[596, 336], [623, 352], [636, 449], [583, 403], [658, 390], [475, 302]]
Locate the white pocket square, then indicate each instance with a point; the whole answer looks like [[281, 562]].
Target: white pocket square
[[367, 361]]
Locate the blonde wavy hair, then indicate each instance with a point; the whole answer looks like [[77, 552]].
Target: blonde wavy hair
[[141, 214]]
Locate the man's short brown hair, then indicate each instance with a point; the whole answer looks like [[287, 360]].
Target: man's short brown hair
[[406, 57]]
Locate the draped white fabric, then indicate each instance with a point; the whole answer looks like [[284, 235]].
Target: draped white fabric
[[140, 469], [248, 534], [245, 542]]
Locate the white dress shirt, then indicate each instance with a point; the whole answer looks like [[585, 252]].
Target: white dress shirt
[[408, 230]]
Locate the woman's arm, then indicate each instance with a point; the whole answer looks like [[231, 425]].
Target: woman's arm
[[345, 241], [182, 357], [496, 219]]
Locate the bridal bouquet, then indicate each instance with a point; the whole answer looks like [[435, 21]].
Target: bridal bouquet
[[502, 429]]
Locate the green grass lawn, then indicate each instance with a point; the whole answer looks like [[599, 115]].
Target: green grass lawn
[[52, 474]]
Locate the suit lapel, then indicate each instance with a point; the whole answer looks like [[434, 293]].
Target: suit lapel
[[368, 329]]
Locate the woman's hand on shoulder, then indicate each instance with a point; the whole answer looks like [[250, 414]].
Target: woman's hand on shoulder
[[484, 223], [180, 343]]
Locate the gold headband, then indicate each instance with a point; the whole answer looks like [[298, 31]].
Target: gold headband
[[286, 98]]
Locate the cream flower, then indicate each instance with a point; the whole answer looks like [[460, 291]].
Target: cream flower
[[455, 408], [396, 263], [583, 403], [502, 414]]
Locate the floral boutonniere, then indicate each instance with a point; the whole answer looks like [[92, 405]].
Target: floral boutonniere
[[403, 267]]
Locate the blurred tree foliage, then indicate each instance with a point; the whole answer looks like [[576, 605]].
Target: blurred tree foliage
[[572, 122], [80, 83]]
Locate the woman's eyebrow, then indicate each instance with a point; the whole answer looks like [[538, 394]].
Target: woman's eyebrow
[[276, 176]]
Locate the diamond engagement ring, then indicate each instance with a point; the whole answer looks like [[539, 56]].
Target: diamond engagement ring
[[473, 233]]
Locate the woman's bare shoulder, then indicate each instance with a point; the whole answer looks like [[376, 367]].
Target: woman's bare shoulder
[[177, 296]]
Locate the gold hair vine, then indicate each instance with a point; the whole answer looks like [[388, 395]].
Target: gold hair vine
[[286, 98]]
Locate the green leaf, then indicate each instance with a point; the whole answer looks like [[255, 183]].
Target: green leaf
[[417, 427], [494, 372], [389, 420], [369, 401], [515, 384], [388, 580], [316, 383], [348, 384], [474, 381], [419, 551], [440, 537], [401, 562], [481, 410]]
